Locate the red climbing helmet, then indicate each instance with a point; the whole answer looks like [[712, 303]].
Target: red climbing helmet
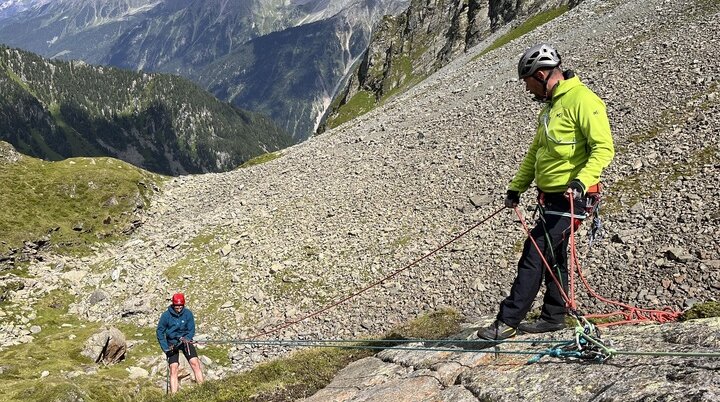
[[178, 299]]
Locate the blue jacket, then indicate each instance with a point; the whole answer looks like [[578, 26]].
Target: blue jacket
[[172, 326]]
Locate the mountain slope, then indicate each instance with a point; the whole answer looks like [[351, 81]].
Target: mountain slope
[[73, 29], [289, 75], [9, 8], [256, 247], [293, 74], [377, 192], [162, 123]]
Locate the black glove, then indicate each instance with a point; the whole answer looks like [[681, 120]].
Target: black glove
[[512, 199], [576, 189]]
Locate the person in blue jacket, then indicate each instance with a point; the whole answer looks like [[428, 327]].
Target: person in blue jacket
[[175, 332]]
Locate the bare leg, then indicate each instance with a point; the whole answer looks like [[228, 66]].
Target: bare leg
[[195, 365], [174, 368]]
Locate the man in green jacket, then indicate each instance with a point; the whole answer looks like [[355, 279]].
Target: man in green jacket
[[570, 149]]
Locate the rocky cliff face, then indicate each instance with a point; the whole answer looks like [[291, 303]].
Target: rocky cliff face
[[428, 35]]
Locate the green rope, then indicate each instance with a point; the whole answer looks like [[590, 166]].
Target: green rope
[[676, 354], [409, 349], [368, 344]]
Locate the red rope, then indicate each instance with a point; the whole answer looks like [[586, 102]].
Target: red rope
[[372, 285], [631, 314], [569, 303]]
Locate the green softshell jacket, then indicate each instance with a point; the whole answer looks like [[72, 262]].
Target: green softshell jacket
[[572, 141]]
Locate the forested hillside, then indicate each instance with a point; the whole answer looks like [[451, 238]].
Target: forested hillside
[[163, 123]]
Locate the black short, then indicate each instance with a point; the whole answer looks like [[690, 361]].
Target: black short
[[188, 350]]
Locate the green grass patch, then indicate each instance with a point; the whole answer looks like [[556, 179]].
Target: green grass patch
[[290, 286], [202, 261], [73, 377], [287, 379], [56, 350], [400, 78], [264, 158], [702, 310], [361, 103], [77, 201], [434, 325], [527, 26]]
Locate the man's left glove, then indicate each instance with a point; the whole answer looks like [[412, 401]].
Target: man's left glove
[[512, 199], [575, 189]]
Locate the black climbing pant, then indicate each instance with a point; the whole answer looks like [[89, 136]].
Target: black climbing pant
[[552, 234]]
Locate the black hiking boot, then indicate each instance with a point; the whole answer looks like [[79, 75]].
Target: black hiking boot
[[497, 331], [541, 325]]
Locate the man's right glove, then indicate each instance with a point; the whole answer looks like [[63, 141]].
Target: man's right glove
[[170, 351], [512, 199], [575, 189]]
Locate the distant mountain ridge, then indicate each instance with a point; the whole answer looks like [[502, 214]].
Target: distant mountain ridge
[[166, 124], [11, 7], [211, 40]]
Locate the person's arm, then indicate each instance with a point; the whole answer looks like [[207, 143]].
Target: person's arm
[[191, 326], [593, 120], [160, 332], [526, 173]]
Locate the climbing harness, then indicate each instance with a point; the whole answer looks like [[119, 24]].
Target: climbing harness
[[593, 201]]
